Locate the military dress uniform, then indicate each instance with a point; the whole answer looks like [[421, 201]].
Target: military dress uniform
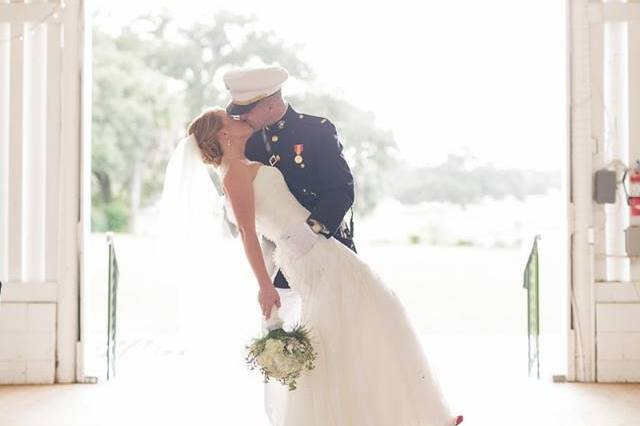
[[308, 152]]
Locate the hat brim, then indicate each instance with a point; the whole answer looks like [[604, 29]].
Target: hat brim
[[234, 109]]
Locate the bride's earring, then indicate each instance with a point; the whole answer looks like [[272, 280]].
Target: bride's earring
[[229, 141]]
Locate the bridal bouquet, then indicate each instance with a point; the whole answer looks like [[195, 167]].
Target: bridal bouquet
[[282, 355]]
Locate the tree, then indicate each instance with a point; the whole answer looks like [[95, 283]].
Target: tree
[[454, 181], [206, 50], [201, 53], [153, 77], [133, 113]]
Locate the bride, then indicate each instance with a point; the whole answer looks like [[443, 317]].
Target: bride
[[371, 369]]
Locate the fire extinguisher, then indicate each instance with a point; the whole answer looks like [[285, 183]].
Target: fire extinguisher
[[633, 193]]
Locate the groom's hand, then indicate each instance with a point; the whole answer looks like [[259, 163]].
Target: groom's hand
[[300, 239]]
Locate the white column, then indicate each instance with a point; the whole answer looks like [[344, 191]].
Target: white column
[[581, 336], [34, 149], [54, 56], [15, 155], [4, 150], [616, 140], [85, 187], [69, 200], [597, 84]]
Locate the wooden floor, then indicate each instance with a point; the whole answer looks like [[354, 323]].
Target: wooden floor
[[158, 385], [484, 376], [158, 403]]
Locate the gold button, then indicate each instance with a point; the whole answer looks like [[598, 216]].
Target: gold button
[[274, 138]]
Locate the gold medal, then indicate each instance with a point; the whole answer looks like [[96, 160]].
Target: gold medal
[[298, 150], [274, 138]]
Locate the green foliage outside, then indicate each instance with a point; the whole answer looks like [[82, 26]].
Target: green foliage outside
[[152, 77], [455, 182]]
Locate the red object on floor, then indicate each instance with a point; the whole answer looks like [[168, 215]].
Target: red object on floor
[[459, 420]]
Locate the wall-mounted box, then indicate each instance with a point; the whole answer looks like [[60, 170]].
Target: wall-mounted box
[[632, 240], [604, 188]]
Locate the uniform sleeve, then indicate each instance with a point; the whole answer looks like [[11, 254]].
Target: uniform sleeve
[[336, 191]]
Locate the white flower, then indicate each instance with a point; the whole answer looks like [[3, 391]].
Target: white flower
[[282, 355], [274, 346], [276, 361]]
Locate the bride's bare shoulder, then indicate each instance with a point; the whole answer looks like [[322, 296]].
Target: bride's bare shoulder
[[235, 171]]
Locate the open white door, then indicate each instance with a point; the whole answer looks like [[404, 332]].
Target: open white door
[[605, 135], [40, 187]]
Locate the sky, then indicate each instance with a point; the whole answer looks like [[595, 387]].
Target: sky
[[488, 78]]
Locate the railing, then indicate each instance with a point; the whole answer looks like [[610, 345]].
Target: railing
[[531, 283], [112, 307]]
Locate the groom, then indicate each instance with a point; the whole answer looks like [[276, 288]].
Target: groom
[[305, 148]]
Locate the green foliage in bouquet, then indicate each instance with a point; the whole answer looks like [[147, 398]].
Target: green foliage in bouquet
[[282, 355]]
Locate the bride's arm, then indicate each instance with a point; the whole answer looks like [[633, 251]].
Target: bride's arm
[[238, 186]]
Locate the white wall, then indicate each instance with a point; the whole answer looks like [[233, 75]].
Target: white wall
[[27, 342]]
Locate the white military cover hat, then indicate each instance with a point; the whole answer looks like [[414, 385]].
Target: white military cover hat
[[248, 86]]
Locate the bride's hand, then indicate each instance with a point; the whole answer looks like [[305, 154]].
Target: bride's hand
[[267, 297]]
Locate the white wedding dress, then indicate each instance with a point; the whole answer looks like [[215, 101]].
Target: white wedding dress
[[371, 369]]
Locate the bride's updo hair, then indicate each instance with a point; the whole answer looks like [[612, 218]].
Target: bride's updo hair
[[205, 128]]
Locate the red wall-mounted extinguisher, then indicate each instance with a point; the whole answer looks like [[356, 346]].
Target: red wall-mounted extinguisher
[[633, 193]]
